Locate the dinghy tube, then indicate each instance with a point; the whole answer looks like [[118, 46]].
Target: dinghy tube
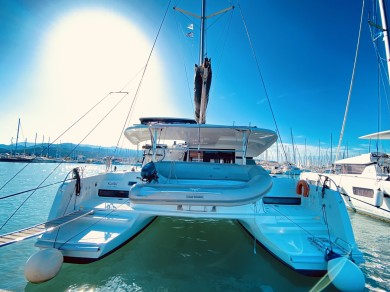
[[43, 265]]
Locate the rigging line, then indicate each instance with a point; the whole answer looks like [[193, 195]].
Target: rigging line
[[379, 107], [59, 164], [229, 21], [91, 225], [79, 119], [91, 109], [324, 215], [361, 201], [351, 84], [143, 74], [71, 126], [380, 58], [8, 181], [30, 190], [215, 21], [185, 67], [292, 221], [385, 91], [47, 147], [121, 91], [381, 64], [189, 19], [70, 198], [124, 87], [132, 79], [262, 79]]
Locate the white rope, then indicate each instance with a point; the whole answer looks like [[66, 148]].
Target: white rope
[[255, 211], [351, 85]]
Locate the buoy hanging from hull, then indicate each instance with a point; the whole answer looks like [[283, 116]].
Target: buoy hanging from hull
[[345, 275], [378, 198], [43, 265]]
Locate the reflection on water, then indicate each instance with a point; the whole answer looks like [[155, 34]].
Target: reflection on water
[[184, 255], [373, 238]]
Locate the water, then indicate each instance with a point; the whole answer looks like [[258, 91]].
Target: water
[[173, 254]]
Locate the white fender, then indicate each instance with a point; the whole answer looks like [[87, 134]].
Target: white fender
[[345, 275], [43, 265], [378, 198]]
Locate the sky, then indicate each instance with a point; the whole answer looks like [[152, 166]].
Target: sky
[[61, 63]]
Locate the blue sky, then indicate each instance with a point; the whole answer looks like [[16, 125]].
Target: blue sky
[[59, 58]]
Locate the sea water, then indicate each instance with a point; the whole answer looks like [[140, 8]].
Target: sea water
[[172, 254]]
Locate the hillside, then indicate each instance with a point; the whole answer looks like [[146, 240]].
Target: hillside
[[68, 150]]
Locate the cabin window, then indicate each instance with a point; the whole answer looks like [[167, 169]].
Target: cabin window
[[282, 200], [212, 156], [368, 193], [350, 168], [113, 193]]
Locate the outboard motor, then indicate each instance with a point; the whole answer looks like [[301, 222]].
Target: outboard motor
[[149, 172]]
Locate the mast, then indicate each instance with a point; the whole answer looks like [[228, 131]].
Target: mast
[[306, 164], [293, 147], [17, 137], [203, 72], [35, 143], [331, 150], [385, 33], [202, 25]]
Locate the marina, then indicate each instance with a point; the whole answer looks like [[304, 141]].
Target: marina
[[190, 206], [194, 249]]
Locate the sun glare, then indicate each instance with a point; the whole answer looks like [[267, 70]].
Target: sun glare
[[88, 54]]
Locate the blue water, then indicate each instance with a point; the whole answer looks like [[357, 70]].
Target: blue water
[[172, 254]]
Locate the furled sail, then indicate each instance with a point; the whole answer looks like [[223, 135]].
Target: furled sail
[[203, 76]]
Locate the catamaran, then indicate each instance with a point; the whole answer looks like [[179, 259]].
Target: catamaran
[[192, 169], [364, 180]]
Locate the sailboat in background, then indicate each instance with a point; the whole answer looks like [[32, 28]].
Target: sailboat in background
[[290, 167], [196, 170], [16, 157], [364, 180]]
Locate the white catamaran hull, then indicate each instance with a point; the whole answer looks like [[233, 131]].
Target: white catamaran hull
[[111, 221], [197, 170], [295, 229], [367, 195]]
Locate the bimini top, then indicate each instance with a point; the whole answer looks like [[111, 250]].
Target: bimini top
[[204, 136], [385, 135]]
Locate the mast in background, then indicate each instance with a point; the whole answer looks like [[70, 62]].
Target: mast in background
[[17, 137], [385, 34]]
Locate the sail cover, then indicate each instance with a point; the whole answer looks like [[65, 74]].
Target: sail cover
[[203, 76]]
